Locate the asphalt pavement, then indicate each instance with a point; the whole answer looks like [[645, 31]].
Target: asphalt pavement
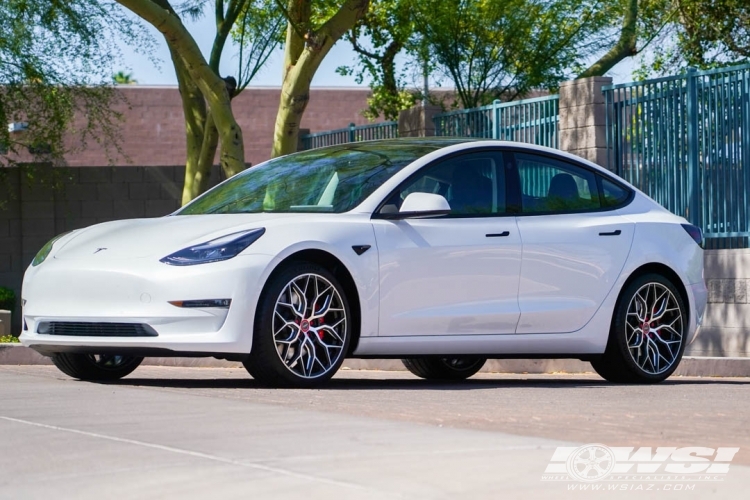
[[214, 433]]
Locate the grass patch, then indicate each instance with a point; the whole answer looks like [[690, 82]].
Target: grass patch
[[8, 339]]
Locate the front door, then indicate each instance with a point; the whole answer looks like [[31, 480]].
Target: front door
[[456, 274]]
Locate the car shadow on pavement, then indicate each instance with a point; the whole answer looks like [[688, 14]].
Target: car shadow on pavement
[[370, 383]]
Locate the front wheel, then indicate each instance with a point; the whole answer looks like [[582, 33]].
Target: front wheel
[[441, 368], [302, 328], [647, 336], [95, 367]]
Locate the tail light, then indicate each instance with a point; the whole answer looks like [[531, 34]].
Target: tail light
[[695, 233]]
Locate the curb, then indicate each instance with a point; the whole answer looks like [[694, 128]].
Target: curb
[[691, 366]]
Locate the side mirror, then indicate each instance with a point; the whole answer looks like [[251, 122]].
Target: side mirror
[[418, 205]]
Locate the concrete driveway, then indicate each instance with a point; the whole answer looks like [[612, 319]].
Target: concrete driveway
[[213, 433]]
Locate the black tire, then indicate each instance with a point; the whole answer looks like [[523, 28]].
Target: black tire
[[623, 364], [265, 362], [95, 368], [444, 368]]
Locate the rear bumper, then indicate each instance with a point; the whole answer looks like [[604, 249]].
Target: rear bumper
[[698, 297]]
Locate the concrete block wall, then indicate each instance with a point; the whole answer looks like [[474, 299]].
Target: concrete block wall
[[726, 325], [34, 213]]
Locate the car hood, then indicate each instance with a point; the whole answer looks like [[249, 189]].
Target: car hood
[[140, 238]]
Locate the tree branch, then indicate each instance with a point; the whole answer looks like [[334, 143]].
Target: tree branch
[[358, 48], [625, 46], [224, 24], [294, 23], [211, 85]]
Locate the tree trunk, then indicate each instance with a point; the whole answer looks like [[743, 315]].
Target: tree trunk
[[204, 159], [294, 99], [212, 88], [303, 55], [194, 110], [232, 156]]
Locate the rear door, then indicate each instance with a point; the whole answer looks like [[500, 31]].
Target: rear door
[[575, 243]]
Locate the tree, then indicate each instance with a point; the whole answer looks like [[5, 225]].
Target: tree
[[122, 78], [206, 96], [386, 31], [677, 33], [491, 50], [701, 33], [715, 30], [55, 64], [312, 29]]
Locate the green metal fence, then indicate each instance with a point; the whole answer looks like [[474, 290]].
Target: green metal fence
[[530, 120], [353, 133], [685, 141]]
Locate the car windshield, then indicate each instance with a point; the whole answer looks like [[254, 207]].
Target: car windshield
[[333, 179]]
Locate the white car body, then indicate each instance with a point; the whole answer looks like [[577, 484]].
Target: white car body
[[426, 286]]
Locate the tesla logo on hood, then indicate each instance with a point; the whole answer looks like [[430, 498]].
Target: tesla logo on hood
[[99, 249]]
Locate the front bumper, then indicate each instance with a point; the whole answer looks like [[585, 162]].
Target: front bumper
[[139, 291]]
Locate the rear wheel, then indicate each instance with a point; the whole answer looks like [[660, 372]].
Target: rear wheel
[[647, 336], [302, 328], [444, 368], [95, 367]]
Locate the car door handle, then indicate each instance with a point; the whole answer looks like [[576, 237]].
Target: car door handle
[[498, 235], [616, 232]]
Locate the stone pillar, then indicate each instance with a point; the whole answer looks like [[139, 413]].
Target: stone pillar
[[417, 121], [582, 126]]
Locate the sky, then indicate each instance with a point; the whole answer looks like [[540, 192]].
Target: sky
[[145, 72]]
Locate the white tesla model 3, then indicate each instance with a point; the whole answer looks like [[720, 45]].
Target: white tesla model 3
[[440, 252]]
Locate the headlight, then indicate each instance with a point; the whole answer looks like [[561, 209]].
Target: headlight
[[222, 248], [42, 255]]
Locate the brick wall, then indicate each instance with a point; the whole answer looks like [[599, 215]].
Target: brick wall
[[153, 130], [34, 213]]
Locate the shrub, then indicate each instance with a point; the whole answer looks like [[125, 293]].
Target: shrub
[[7, 299], [8, 339]]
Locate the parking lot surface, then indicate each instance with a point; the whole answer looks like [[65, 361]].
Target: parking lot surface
[[214, 433]]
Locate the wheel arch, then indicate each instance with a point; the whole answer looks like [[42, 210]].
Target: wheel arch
[[342, 274], [663, 270]]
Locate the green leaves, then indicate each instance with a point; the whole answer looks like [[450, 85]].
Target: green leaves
[[502, 50], [56, 60], [259, 29]]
